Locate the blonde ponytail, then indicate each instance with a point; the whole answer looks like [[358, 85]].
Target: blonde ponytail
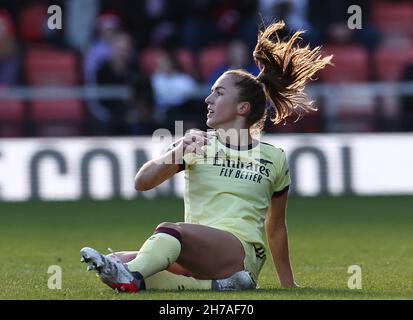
[[285, 69]]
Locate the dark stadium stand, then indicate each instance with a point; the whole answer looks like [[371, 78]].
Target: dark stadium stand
[[45, 63]]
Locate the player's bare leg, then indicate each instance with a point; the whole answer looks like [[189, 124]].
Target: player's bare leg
[[207, 253]]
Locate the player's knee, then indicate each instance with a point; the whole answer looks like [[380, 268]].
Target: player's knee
[[170, 225], [173, 229]]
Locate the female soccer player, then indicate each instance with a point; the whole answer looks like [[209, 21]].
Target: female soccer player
[[235, 184]]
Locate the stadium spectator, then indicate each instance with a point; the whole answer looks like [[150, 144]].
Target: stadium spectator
[[124, 117], [237, 58], [9, 54], [173, 90], [107, 26]]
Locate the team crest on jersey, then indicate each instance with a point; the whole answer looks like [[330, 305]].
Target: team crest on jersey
[[263, 161]]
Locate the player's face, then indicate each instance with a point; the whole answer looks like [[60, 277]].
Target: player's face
[[222, 104]]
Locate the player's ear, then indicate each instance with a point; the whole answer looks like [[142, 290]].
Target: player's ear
[[244, 108]]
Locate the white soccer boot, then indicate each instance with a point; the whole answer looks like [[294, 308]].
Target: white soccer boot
[[111, 271], [241, 280]]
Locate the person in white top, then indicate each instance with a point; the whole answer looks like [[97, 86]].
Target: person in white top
[[172, 87]]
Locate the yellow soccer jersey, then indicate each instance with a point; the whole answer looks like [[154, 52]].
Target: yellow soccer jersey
[[231, 189]]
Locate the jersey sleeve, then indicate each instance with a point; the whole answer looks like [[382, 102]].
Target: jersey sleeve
[[282, 180]]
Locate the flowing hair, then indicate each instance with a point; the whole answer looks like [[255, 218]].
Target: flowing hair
[[285, 69]]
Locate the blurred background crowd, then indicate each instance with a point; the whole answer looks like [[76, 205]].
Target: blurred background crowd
[[155, 61]]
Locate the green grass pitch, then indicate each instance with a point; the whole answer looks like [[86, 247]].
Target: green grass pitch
[[326, 236]]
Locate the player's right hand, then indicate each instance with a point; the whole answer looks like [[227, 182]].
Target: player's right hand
[[193, 141]]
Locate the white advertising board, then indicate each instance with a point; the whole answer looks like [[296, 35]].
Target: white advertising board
[[104, 168]]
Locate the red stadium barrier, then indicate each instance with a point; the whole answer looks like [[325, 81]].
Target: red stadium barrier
[[51, 67], [57, 117], [393, 18], [390, 62]]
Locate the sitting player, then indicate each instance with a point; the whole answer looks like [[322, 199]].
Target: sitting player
[[235, 184]]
